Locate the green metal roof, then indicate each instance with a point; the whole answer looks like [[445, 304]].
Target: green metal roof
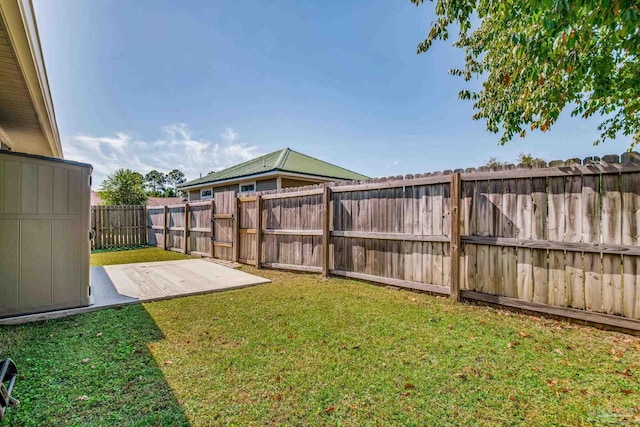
[[285, 160]]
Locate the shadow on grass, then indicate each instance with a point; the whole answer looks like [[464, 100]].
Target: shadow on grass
[[90, 369]]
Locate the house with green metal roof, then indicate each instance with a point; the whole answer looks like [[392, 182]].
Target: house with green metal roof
[[281, 169]]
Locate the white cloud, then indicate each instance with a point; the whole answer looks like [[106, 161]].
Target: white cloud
[[390, 165], [178, 149], [229, 135]]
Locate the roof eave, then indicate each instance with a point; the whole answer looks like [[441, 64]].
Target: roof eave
[[20, 22], [188, 185], [271, 172]]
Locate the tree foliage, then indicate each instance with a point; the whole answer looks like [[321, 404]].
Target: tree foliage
[[524, 158], [174, 178], [528, 159], [159, 184], [123, 187], [155, 182], [538, 57]]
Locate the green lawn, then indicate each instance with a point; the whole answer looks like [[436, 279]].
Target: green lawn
[[111, 257], [311, 351]]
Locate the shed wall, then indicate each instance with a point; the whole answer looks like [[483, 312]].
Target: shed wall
[[44, 224]]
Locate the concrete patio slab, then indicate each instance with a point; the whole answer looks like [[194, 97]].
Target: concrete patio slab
[[166, 279], [116, 285]]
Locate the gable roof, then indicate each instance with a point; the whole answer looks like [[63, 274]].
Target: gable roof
[[285, 160]]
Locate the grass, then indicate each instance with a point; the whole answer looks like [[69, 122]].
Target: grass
[[311, 351], [147, 254]]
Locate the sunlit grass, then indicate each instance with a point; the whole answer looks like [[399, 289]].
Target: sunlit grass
[[147, 254], [305, 350]]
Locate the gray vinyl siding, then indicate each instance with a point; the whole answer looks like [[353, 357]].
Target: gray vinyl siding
[[263, 185], [288, 182], [267, 184], [229, 187]]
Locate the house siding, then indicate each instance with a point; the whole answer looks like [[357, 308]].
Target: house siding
[[267, 184], [229, 187], [288, 182], [263, 185]]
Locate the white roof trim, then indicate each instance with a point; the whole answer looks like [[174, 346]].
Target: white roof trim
[[4, 138]]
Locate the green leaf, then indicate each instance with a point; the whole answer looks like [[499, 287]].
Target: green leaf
[[545, 55]]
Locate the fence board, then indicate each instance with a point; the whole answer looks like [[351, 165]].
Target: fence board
[[524, 220], [436, 203], [509, 230], [422, 225], [630, 188], [407, 228], [482, 224], [495, 228], [539, 231], [556, 232], [574, 265], [469, 228], [591, 234]]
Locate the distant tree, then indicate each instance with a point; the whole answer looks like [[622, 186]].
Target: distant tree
[[123, 187], [526, 158], [155, 182], [538, 58], [173, 179], [493, 162]]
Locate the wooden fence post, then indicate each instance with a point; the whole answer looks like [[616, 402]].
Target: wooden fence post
[[455, 235], [187, 214], [165, 227], [97, 238], [213, 228], [145, 223], [236, 229], [258, 230], [326, 236]]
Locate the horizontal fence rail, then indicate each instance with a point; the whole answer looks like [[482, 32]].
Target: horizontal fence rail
[[561, 239]]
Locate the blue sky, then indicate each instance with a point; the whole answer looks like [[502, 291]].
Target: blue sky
[[201, 85]]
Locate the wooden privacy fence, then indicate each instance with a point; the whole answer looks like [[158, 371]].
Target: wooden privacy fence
[[118, 226], [561, 239], [199, 228]]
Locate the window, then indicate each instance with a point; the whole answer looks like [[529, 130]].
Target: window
[[206, 194], [247, 187]]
